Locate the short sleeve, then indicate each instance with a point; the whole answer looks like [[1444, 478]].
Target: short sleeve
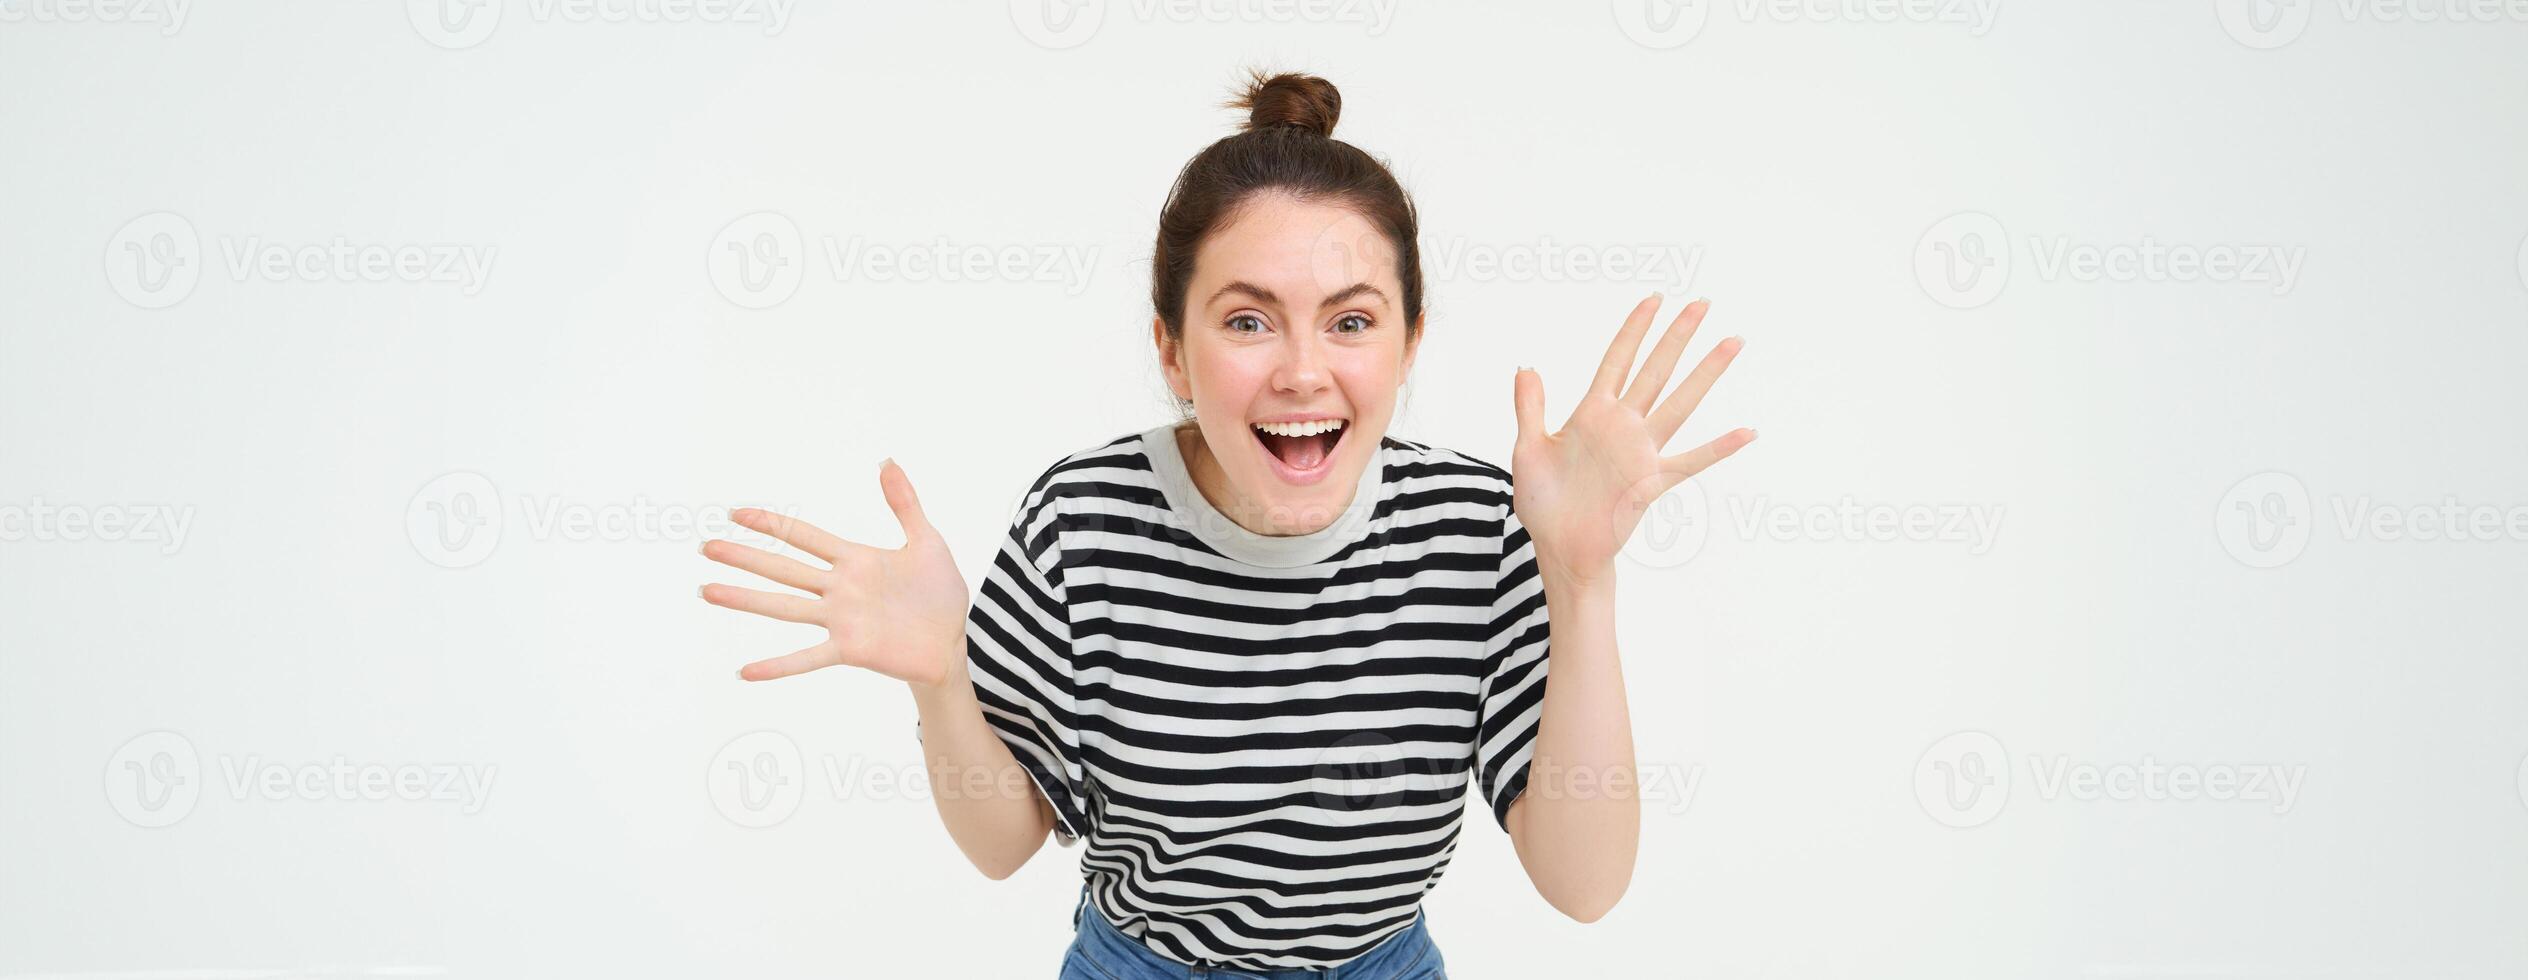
[[1513, 694], [1018, 650]]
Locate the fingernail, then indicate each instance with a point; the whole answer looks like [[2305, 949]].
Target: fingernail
[[703, 548], [697, 592], [741, 673]]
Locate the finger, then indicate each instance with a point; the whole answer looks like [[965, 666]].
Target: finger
[[787, 608], [1619, 355], [902, 500], [1653, 379], [1671, 413], [824, 654], [1527, 393], [787, 571], [1699, 458], [800, 534]]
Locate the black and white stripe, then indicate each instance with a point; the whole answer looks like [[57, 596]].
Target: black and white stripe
[[1266, 742]]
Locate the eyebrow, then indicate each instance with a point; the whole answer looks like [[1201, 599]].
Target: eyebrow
[[1263, 295]]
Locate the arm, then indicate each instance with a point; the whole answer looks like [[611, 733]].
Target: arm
[[990, 807], [1578, 825], [1580, 492], [900, 612]]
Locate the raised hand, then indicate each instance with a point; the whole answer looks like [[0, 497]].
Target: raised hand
[[1582, 490], [898, 611]]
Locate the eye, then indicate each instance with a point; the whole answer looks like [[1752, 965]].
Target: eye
[[1246, 324], [1351, 324]]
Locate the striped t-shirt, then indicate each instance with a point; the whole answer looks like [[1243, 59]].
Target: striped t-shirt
[[1265, 740]]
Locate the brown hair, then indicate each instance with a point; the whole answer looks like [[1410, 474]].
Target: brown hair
[[1288, 145]]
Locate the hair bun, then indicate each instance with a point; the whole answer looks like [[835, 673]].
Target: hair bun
[[1287, 99]]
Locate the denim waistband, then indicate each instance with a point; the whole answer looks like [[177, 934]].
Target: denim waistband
[[1405, 955]]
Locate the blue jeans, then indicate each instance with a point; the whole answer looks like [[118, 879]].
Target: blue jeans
[[1100, 951]]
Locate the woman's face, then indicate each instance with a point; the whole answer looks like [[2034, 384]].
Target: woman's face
[[1293, 350]]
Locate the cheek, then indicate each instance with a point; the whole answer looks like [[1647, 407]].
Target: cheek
[[1370, 376], [1226, 375]]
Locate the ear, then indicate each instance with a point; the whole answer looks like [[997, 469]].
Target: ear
[[1171, 360], [1412, 344]]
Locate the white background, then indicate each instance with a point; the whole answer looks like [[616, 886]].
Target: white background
[[2149, 595]]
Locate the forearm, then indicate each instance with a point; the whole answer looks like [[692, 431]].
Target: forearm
[[1577, 826], [985, 798]]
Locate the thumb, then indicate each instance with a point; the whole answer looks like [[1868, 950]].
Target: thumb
[[900, 498], [1528, 392]]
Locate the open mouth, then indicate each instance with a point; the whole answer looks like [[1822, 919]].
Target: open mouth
[[1301, 449]]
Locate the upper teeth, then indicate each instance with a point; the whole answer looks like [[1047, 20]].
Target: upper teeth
[[1308, 428]]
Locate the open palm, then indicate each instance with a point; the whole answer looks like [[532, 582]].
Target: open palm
[[898, 611], [1581, 490]]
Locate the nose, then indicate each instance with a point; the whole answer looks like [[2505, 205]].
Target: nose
[[1302, 370]]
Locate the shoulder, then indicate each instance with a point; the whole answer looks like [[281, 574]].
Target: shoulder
[[1117, 468], [1422, 471], [1424, 464]]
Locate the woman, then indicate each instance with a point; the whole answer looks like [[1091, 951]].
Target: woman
[[1255, 658]]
